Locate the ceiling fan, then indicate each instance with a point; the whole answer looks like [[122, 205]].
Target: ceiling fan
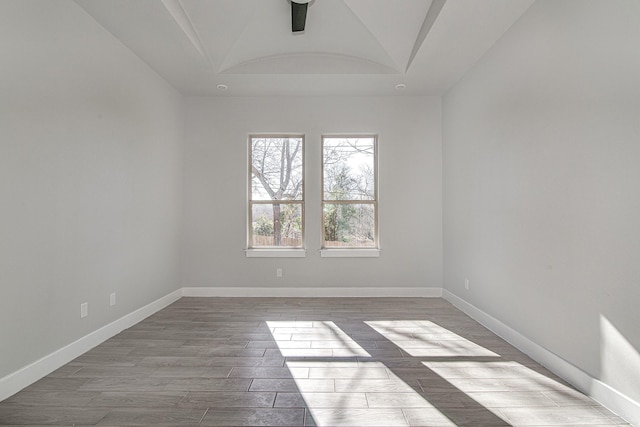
[[298, 14]]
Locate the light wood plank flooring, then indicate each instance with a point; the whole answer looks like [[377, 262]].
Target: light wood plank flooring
[[295, 362]]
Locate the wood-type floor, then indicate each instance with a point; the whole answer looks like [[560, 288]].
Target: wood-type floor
[[304, 361]]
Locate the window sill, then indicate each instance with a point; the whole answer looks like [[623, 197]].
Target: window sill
[[350, 253], [275, 253]]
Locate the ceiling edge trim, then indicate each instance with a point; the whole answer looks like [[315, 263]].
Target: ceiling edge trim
[[429, 20], [180, 15], [381, 67]]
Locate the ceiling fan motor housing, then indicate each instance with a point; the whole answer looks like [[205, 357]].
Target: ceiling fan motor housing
[[298, 14]]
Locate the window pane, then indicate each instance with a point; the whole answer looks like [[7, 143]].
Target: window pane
[[277, 224], [276, 168], [349, 168], [349, 225]]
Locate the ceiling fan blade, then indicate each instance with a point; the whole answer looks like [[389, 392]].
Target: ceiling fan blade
[[298, 16]]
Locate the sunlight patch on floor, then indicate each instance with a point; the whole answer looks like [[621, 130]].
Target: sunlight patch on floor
[[361, 390], [314, 339], [422, 338], [522, 395], [363, 395]]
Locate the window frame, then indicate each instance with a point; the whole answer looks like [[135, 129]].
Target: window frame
[[349, 251], [274, 251]]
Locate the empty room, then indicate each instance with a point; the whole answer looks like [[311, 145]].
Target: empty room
[[320, 212]]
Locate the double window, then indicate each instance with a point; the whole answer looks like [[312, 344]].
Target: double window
[[349, 202]]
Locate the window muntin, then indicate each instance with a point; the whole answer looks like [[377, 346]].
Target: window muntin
[[276, 193], [349, 188]]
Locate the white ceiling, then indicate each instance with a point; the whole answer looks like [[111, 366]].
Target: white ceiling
[[349, 47]]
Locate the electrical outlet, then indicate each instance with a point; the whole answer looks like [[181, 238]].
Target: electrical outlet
[[466, 284], [112, 299], [278, 272], [84, 309]]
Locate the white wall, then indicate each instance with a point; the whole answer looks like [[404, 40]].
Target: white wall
[[90, 179], [541, 151], [216, 186]]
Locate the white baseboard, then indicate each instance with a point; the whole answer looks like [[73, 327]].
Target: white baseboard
[[322, 292], [610, 398], [16, 381], [599, 391]]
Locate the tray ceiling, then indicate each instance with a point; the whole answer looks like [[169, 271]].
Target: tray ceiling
[[349, 47]]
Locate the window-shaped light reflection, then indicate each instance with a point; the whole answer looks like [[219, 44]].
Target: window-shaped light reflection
[[422, 338], [522, 395], [339, 386], [313, 339]]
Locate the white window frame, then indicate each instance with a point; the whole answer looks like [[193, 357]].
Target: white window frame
[[273, 251], [351, 251]]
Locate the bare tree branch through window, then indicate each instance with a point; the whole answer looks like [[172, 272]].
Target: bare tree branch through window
[[276, 205]]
